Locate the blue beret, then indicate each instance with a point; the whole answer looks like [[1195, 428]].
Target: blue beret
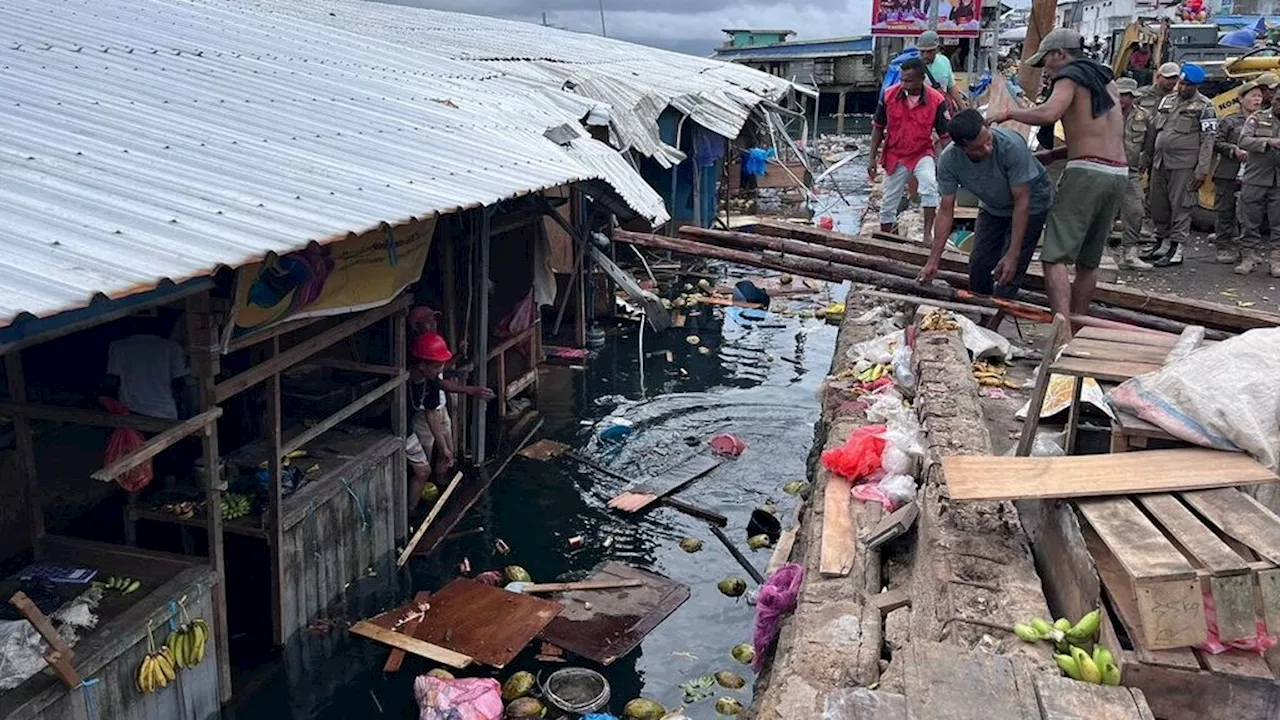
[[1192, 73]]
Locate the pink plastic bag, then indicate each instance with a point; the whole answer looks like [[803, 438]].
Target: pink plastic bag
[[777, 598], [859, 456], [1260, 643], [462, 699], [726, 444]]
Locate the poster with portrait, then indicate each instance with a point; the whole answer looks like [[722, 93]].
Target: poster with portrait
[[958, 18]]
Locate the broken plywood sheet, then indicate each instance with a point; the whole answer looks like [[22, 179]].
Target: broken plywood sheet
[[971, 477], [617, 619], [487, 623], [639, 497]]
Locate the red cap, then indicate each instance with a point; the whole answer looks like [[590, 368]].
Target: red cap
[[431, 347]]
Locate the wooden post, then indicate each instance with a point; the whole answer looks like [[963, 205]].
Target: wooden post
[[276, 527], [844, 95], [581, 222], [1040, 24], [400, 417], [202, 340], [482, 335], [26, 447]]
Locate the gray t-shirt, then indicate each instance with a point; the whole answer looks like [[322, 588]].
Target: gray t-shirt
[[1010, 163]]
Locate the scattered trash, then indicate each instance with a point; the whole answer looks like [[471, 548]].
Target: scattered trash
[[726, 444], [501, 547], [704, 350], [785, 279], [464, 699], [732, 586], [777, 598], [764, 522], [490, 577], [464, 567], [441, 673], [518, 685], [608, 542], [795, 487], [577, 690], [755, 542], [691, 545], [615, 430], [859, 456], [938, 319], [576, 542], [729, 679], [693, 339]]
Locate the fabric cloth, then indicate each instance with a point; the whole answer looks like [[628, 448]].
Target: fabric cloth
[[1260, 206], [1182, 134], [992, 235], [1092, 76], [1225, 144], [895, 184], [426, 395], [909, 123], [422, 429], [459, 699], [1171, 202], [1010, 163], [777, 597], [1089, 198], [1133, 211], [1263, 166], [147, 365], [1224, 204], [413, 450]]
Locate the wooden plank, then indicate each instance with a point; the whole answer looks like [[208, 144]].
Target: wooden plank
[[636, 499], [1178, 623], [410, 626], [697, 511], [1233, 605], [486, 623], [1269, 585], [355, 366], [1062, 698], [837, 550], [1057, 336], [431, 516], [782, 551], [81, 416], [606, 625], [1142, 549], [893, 525], [1241, 517], [1116, 351], [360, 403], [1176, 694], [157, 444], [1191, 534], [976, 477], [539, 588], [42, 625], [891, 600], [296, 354], [1238, 663], [1133, 337], [1115, 371], [418, 647], [945, 682]]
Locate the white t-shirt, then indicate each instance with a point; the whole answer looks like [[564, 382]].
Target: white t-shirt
[[146, 366]]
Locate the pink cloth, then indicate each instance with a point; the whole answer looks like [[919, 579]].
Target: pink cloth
[[777, 598], [461, 699], [1259, 643]]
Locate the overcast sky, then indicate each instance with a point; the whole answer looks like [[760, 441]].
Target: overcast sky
[[691, 26]]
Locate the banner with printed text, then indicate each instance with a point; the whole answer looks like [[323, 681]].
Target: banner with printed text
[[897, 18], [360, 272]]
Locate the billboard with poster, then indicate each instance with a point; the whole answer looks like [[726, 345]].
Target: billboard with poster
[[958, 18]]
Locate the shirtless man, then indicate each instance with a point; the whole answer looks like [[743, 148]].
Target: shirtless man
[[1092, 187]]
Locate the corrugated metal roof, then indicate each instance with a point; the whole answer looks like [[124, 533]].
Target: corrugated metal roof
[[153, 140]]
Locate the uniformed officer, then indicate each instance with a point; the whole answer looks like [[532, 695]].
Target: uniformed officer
[[1260, 192], [1225, 182], [1135, 205], [1179, 148], [1148, 98]]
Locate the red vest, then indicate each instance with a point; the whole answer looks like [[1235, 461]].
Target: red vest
[[908, 135]]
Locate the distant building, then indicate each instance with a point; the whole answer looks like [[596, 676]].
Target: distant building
[[739, 38]]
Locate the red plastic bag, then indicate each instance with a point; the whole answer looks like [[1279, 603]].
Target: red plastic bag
[[122, 442], [859, 457], [726, 444], [1259, 643]]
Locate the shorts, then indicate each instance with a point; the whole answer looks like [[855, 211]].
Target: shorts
[[1088, 199], [419, 445], [895, 184]]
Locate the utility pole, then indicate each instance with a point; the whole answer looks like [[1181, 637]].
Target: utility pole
[[603, 31], [544, 18]]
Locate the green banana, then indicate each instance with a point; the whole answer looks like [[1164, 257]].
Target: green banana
[[1026, 633], [1102, 656], [1110, 674], [1062, 624], [1068, 665], [1086, 628], [1089, 671]]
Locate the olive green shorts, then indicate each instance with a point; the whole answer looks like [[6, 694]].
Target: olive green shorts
[[1088, 198]]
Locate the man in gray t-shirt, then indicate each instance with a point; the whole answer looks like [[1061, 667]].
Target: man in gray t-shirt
[[1015, 193]]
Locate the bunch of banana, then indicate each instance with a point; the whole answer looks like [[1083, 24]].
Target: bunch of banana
[[1062, 633], [183, 509], [187, 643], [236, 505], [938, 320], [157, 668], [1099, 668], [123, 585], [991, 375], [874, 373]]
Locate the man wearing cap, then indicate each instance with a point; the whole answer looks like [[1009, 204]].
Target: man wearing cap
[[1135, 204], [1268, 81], [938, 67], [1179, 148], [1260, 191], [1226, 173]]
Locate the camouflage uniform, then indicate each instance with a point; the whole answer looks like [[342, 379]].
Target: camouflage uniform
[[1135, 207], [1225, 186]]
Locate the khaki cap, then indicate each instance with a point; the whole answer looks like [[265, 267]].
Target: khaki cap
[[1246, 87], [928, 40], [1268, 79], [1170, 69], [1127, 86], [1057, 39]]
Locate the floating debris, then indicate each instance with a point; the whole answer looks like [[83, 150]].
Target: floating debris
[[515, 573], [691, 544], [743, 653], [643, 709], [730, 679], [732, 586]]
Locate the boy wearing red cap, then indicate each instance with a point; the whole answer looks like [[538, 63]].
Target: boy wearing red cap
[[432, 428]]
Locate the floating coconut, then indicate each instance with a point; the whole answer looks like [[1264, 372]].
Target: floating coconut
[[704, 350], [515, 573], [795, 487], [518, 685], [755, 542], [643, 709], [730, 679], [743, 653], [732, 586], [430, 493], [441, 673], [691, 544], [728, 706]]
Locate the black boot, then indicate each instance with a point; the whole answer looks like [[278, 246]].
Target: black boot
[[1172, 257]]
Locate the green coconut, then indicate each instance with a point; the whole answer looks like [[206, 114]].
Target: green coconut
[[430, 493], [691, 544], [728, 706], [518, 685], [441, 673], [755, 542], [795, 487], [525, 707], [732, 586], [730, 679], [515, 573], [643, 709], [743, 653], [805, 314], [785, 279]]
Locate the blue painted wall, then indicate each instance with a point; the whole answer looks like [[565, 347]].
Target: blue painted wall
[[682, 210]]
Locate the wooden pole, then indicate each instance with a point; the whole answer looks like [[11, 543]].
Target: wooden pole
[[1039, 24], [25, 444], [202, 342], [482, 336], [431, 517], [400, 417], [276, 498]]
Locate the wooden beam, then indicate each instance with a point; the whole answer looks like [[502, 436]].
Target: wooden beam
[[537, 588], [81, 416], [431, 516], [332, 421], [838, 529], [354, 366], [400, 421], [296, 354], [157, 445], [410, 626], [418, 647], [60, 657], [25, 445], [275, 493], [275, 331]]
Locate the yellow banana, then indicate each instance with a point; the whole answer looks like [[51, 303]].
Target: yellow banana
[[166, 667], [148, 674], [1068, 665], [1088, 670], [138, 676], [200, 648]]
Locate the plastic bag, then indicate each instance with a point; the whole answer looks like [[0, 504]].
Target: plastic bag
[[892, 492], [902, 371], [122, 442], [980, 342], [877, 349], [1260, 643], [728, 445], [461, 699], [859, 456]]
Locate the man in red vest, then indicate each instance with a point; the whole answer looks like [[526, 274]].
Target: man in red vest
[[909, 116]]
